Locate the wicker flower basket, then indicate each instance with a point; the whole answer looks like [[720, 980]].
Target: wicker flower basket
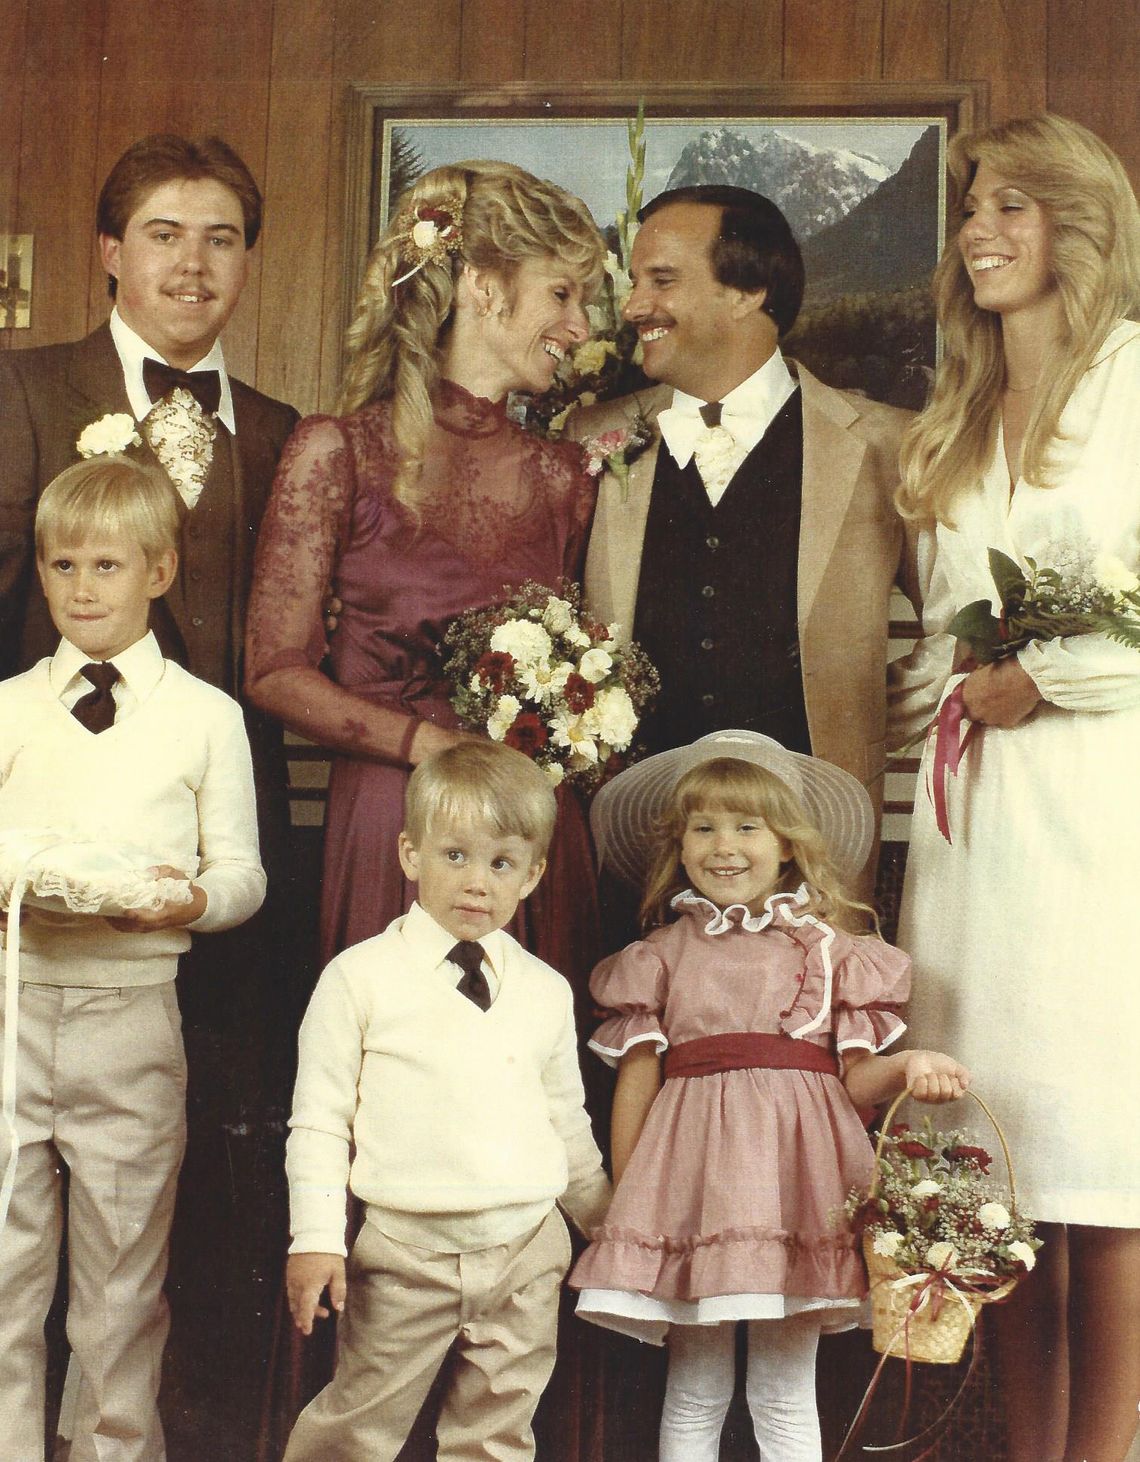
[[925, 1319]]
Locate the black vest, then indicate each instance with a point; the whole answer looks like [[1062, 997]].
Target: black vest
[[716, 598]]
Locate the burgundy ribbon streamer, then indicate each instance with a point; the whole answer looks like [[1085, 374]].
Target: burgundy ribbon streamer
[[949, 749], [929, 1437]]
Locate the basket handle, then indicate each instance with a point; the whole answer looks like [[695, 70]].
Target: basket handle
[[884, 1128]]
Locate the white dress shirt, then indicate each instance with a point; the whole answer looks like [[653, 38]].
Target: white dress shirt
[[133, 350], [747, 411]]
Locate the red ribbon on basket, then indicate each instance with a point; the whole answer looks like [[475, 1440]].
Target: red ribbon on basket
[[930, 1289], [949, 749]]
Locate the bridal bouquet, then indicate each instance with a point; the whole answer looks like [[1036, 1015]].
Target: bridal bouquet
[[1090, 595], [537, 673], [1081, 593]]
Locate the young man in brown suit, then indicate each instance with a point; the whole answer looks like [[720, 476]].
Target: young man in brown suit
[[175, 222]]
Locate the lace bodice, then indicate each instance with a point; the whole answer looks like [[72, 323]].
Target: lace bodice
[[501, 506]]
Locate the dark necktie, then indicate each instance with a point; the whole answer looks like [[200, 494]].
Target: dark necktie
[[710, 413], [96, 709], [160, 379], [469, 957]]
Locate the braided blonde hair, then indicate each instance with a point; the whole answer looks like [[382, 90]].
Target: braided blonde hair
[[393, 344], [1094, 221]]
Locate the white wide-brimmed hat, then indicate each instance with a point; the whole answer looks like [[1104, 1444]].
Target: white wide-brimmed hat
[[625, 813]]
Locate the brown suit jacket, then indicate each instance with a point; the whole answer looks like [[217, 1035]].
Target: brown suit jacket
[[47, 396], [852, 551]]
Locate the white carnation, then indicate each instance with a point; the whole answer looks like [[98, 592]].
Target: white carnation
[[526, 641], [554, 772], [1022, 1252], [926, 1188], [942, 1255], [112, 433], [886, 1242], [612, 717], [993, 1216], [595, 665], [502, 718], [577, 637]]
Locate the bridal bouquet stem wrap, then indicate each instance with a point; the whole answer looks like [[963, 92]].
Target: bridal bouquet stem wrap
[[1096, 595], [537, 673]]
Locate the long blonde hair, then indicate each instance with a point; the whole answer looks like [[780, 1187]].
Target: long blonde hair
[[730, 784], [1094, 223], [392, 346]]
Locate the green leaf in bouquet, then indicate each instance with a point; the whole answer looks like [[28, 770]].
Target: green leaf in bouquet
[[977, 624], [1008, 576]]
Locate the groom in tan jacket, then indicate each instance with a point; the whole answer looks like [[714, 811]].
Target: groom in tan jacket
[[754, 557]]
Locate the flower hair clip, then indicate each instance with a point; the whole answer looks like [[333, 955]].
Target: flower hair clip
[[431, 233]]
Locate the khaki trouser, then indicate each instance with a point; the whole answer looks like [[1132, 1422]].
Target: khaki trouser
[[101, 1087], [406, 1308]]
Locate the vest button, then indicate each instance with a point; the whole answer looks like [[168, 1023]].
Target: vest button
[[712, 541], [195, 531], [196, 575], [197, 621], [707, 592], [708, 699], [706, 644]]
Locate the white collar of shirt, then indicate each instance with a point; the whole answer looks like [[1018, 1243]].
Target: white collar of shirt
[[140, 668], [133, 350], [434, 943], [747, 411]]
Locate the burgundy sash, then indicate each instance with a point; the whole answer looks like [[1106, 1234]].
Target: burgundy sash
[[740, 1050]]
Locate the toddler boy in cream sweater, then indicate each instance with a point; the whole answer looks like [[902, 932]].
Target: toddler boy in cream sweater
[[438, 1080]]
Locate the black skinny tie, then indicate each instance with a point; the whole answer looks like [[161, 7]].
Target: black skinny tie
[[468, 955]]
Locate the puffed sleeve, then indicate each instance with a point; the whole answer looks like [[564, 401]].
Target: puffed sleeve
[[633, 985], [872, 983], [852, 985]]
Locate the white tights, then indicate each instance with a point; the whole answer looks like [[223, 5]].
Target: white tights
[[780, 1388]]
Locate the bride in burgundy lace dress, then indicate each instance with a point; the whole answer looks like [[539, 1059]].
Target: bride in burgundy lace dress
[[424, 500]]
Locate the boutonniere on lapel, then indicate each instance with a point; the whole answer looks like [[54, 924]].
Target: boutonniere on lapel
[[615, 451], [114, 432], [181, 436]]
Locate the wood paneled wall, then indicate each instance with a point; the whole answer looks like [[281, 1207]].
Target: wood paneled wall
[[79, 79]]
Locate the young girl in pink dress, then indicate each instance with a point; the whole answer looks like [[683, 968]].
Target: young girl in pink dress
[[733, 1155]]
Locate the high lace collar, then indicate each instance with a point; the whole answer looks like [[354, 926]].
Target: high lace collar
[[463, 415], [720, 921]]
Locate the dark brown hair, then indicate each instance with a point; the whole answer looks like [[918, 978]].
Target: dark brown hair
[[165, 157], [754, 248]]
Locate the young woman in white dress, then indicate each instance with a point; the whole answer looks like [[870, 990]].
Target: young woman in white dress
[[1023, 928]]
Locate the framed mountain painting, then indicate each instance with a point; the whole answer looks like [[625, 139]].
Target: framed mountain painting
[[857, 169]]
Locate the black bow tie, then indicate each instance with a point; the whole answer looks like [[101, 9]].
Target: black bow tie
[[160, 379], [710, 413]]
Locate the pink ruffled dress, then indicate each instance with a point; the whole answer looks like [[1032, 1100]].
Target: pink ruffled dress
[[731, 1204]]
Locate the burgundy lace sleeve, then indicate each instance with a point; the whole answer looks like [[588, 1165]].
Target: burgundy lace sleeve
[[296, 554], [296, 549]]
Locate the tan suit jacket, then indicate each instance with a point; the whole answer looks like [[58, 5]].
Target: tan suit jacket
[[852, 551]]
